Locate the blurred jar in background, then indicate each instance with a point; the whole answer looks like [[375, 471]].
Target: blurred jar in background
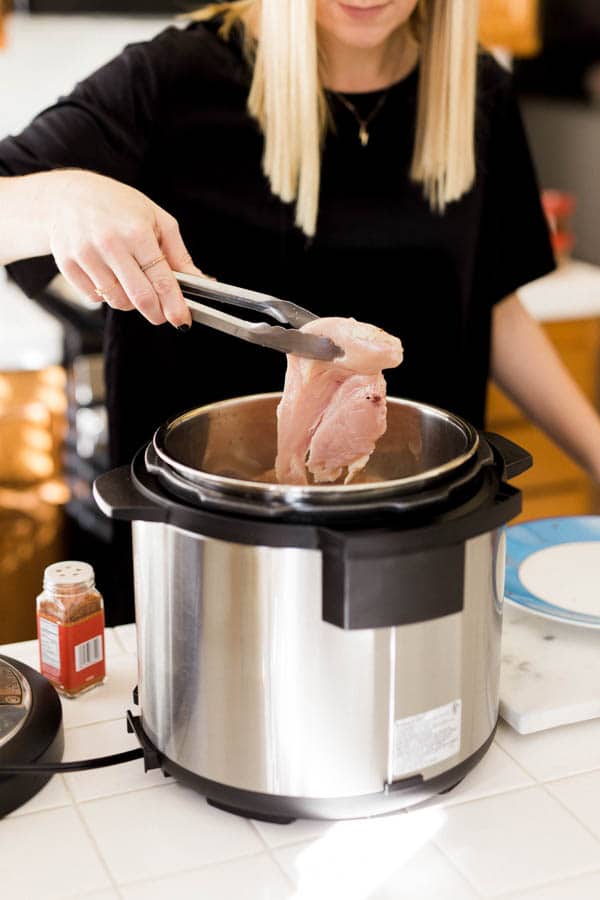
[[4, 8], [559, 207], [32, 424]]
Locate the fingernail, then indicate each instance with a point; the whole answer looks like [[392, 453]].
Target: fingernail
[[183, 327]]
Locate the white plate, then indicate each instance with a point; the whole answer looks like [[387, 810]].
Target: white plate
[[553, 568]]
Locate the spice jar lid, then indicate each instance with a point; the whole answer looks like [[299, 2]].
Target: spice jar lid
[[69, 572]]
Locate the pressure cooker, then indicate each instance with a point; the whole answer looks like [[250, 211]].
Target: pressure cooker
[[319, 651]]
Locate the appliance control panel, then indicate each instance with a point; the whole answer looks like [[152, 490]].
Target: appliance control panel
[[15, 701]]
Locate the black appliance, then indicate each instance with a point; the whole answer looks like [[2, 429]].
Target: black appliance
[[31, 730]]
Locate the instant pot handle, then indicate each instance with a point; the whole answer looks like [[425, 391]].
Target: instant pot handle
[[371, 581], [119, 498], [381, 578], [513, 459]]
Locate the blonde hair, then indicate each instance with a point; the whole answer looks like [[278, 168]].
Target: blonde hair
[[288, 101]]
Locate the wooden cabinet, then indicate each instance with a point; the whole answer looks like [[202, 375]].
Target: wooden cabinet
[[511, 24], [555, 486], [33, 410]]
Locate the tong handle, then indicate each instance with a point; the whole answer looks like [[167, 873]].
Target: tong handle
[[280, 310], [286, 340], [255, 332]]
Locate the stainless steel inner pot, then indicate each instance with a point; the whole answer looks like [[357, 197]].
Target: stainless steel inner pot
[[230, 447]]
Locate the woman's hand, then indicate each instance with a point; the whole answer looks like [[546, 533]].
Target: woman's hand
[[114, 244]]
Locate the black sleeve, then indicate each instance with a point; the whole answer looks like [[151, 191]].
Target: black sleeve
[[105, 125], [514, 245]]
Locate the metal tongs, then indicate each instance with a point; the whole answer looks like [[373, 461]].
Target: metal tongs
[[287, 340]]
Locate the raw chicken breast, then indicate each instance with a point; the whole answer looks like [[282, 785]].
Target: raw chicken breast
[[332, 413]]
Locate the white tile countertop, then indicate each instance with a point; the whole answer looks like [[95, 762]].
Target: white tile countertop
[[524, 825], [571, 292]]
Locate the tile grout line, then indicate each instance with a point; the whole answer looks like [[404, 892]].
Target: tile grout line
[[270, 851], [500, 793], [149, 787], [86, 829], [189, 871], [99, 722], [453, 865], [543, 781], [296, 843], [265, 846], [516, 761], [456, 865], [167, 783], [75, 802], [34, 812], [544, 884], [572, 775], [307, 841], [287, 878], [572, 814], [522, 890]]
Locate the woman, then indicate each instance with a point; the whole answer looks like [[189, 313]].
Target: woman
[[357, 157]]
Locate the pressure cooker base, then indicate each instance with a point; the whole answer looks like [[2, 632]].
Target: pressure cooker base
[[403, 794]]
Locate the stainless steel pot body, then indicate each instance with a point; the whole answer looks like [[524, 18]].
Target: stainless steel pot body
[[244, 684]]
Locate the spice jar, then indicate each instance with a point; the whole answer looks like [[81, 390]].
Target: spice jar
[[70, 618]]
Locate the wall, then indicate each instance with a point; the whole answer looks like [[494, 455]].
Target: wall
[[45, 56], [565, 141]]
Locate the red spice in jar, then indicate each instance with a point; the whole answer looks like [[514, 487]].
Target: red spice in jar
[[70, 618]]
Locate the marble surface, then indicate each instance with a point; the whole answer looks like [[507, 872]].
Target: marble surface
[[550, 672], [523, 825]]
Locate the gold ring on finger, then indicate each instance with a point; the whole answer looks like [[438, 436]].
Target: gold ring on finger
[[104, 293], [154, 262]]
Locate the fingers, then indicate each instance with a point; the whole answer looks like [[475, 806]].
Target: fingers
[[103, 279], [77, 277], [128, 259], [89, 287], [136, 284], [161, 276], [155, 292], [172, 244], [171, 299]]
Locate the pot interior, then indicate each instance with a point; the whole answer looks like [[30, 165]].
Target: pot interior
[[236, 441]]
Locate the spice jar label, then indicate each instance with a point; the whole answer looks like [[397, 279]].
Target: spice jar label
[[72, 653], [49, 646]]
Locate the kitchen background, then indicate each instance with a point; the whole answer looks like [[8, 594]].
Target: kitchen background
[[52, 415]]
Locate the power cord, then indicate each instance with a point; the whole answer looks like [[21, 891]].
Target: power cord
[[81, 765]]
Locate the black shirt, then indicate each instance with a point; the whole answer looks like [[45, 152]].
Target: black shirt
[[169, 117]]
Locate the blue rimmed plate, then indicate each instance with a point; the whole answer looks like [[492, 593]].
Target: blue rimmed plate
[[553, 568]]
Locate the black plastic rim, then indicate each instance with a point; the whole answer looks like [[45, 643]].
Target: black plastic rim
[[41, 739], [408, 793]]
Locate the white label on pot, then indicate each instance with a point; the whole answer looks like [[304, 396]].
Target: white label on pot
[[427, 738]]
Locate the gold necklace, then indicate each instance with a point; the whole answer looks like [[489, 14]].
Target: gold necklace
[[363, 132]]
